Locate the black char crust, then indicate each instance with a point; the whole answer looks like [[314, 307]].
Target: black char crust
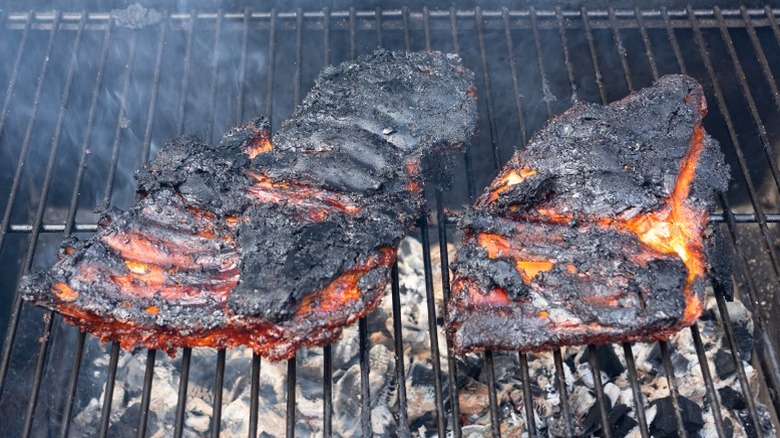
[[591, 165], [248, 241]]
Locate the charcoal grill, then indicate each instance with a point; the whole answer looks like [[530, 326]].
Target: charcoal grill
[[89, 96]]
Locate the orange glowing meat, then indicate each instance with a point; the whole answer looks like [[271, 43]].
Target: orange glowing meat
[[594, 244]]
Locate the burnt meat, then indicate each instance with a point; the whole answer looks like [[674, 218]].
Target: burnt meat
[[270, 243], [595, 232]]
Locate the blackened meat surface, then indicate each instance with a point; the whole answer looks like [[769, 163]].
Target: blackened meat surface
[[271, 243], [596, 231]]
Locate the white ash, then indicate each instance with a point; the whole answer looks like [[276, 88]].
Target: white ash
[[473, 391], [135, 16]]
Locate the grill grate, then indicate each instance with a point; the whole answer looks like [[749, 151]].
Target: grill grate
[[587, 55]]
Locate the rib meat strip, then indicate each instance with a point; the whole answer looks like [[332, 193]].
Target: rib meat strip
[[274, 243], [596, 231]]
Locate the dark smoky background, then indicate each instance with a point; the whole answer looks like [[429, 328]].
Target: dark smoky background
[[86, 102]]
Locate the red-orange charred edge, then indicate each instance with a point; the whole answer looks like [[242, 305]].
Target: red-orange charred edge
[[319, 202], [469, 288], [413, 175]]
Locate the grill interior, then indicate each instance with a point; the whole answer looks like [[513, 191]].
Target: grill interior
[[90, 97]]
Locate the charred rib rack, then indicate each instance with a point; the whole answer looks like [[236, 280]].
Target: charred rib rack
[[595, 232], [270, 244]]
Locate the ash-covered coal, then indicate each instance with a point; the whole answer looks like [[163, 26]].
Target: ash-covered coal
[[270, 243]]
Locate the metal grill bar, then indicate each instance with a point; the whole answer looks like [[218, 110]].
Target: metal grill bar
[[400, 372], [254, 397], [70, 220], [291, 376], [73, 382], [327, 391], [625, 17], [606, 429], [542, 73], [621, 50], [705, 369], [759, 51], [467, 155], [515, 77], [488, 93], [178, 428], [242, 67], [147, 142], [269, 103], [105, 413], [9, 91], [441, 418], [29, 416], [645, 41], [214, 74], [560, 381], [365, 395], [675, 394], [770, 364], [706, 15], [185, 83], [528, 399], [299, 55], [219, 378], [291, 363], [566, 59], [673, 40], [594, 60], [120, 117], [146, 395], [492, 399], [452, 364], [17, 305], [54, 147], [639, 404], [378, 13]]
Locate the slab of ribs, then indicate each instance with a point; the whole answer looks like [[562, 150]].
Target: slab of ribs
[[273, 243], [596, 231]]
